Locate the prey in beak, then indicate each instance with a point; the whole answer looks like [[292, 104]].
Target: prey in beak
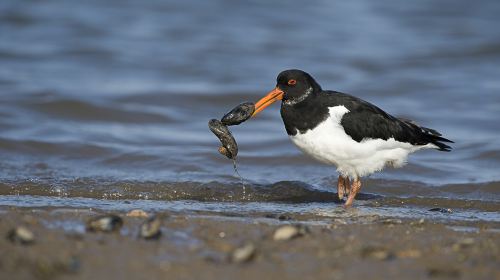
[[270, 98]]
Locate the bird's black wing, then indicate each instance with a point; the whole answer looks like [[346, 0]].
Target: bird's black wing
[[365, 120]]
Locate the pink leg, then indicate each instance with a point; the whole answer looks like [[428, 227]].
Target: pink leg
[[340, 187], [343, 186], [355, 187]]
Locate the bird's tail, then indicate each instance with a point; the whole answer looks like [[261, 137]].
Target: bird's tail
[[431, 135], [436, 139]]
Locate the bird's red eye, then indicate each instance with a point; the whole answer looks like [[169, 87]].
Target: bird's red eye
[[292, 82]]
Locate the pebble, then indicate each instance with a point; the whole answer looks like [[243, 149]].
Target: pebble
[[284, 218], [442, 210], [137, 213], [339, 221], [391, 221], [440, 272], [279, 217], [377, 253], [243, 254], [30, 220], [104, 223], [21, 235], [410, 253], [462, 244], [151, 228], [419, 222], [288, 232], [51, 267]]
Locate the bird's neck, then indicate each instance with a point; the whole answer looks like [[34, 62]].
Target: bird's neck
[[295, 101], [304, 115]]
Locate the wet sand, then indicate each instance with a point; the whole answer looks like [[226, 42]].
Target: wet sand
[[200, 246]]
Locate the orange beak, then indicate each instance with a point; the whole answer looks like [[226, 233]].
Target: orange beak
[[270, 98]]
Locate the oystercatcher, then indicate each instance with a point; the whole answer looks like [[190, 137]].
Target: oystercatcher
[[342, 130]]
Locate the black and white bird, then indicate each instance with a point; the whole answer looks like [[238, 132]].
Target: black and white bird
[[342, 130]]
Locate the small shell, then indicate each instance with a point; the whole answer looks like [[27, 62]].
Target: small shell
[[409, 254], [288, 232], [442, 210], [151, 228], [239, 114], [104, 223], [225, 137], [377, 253], [243, 254], [21, 235], [137, 213]]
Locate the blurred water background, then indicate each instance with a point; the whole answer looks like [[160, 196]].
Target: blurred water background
[[110, 99]]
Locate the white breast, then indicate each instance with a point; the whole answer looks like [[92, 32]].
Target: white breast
[[328, 143]]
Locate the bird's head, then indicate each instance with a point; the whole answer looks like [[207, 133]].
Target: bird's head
[[292, 87]]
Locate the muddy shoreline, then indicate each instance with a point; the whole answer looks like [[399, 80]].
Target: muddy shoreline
[[201, 245]]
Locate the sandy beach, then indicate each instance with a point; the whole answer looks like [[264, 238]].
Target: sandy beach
[[202, 246]]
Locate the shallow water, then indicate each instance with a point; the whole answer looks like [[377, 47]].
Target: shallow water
[[111, 99]]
